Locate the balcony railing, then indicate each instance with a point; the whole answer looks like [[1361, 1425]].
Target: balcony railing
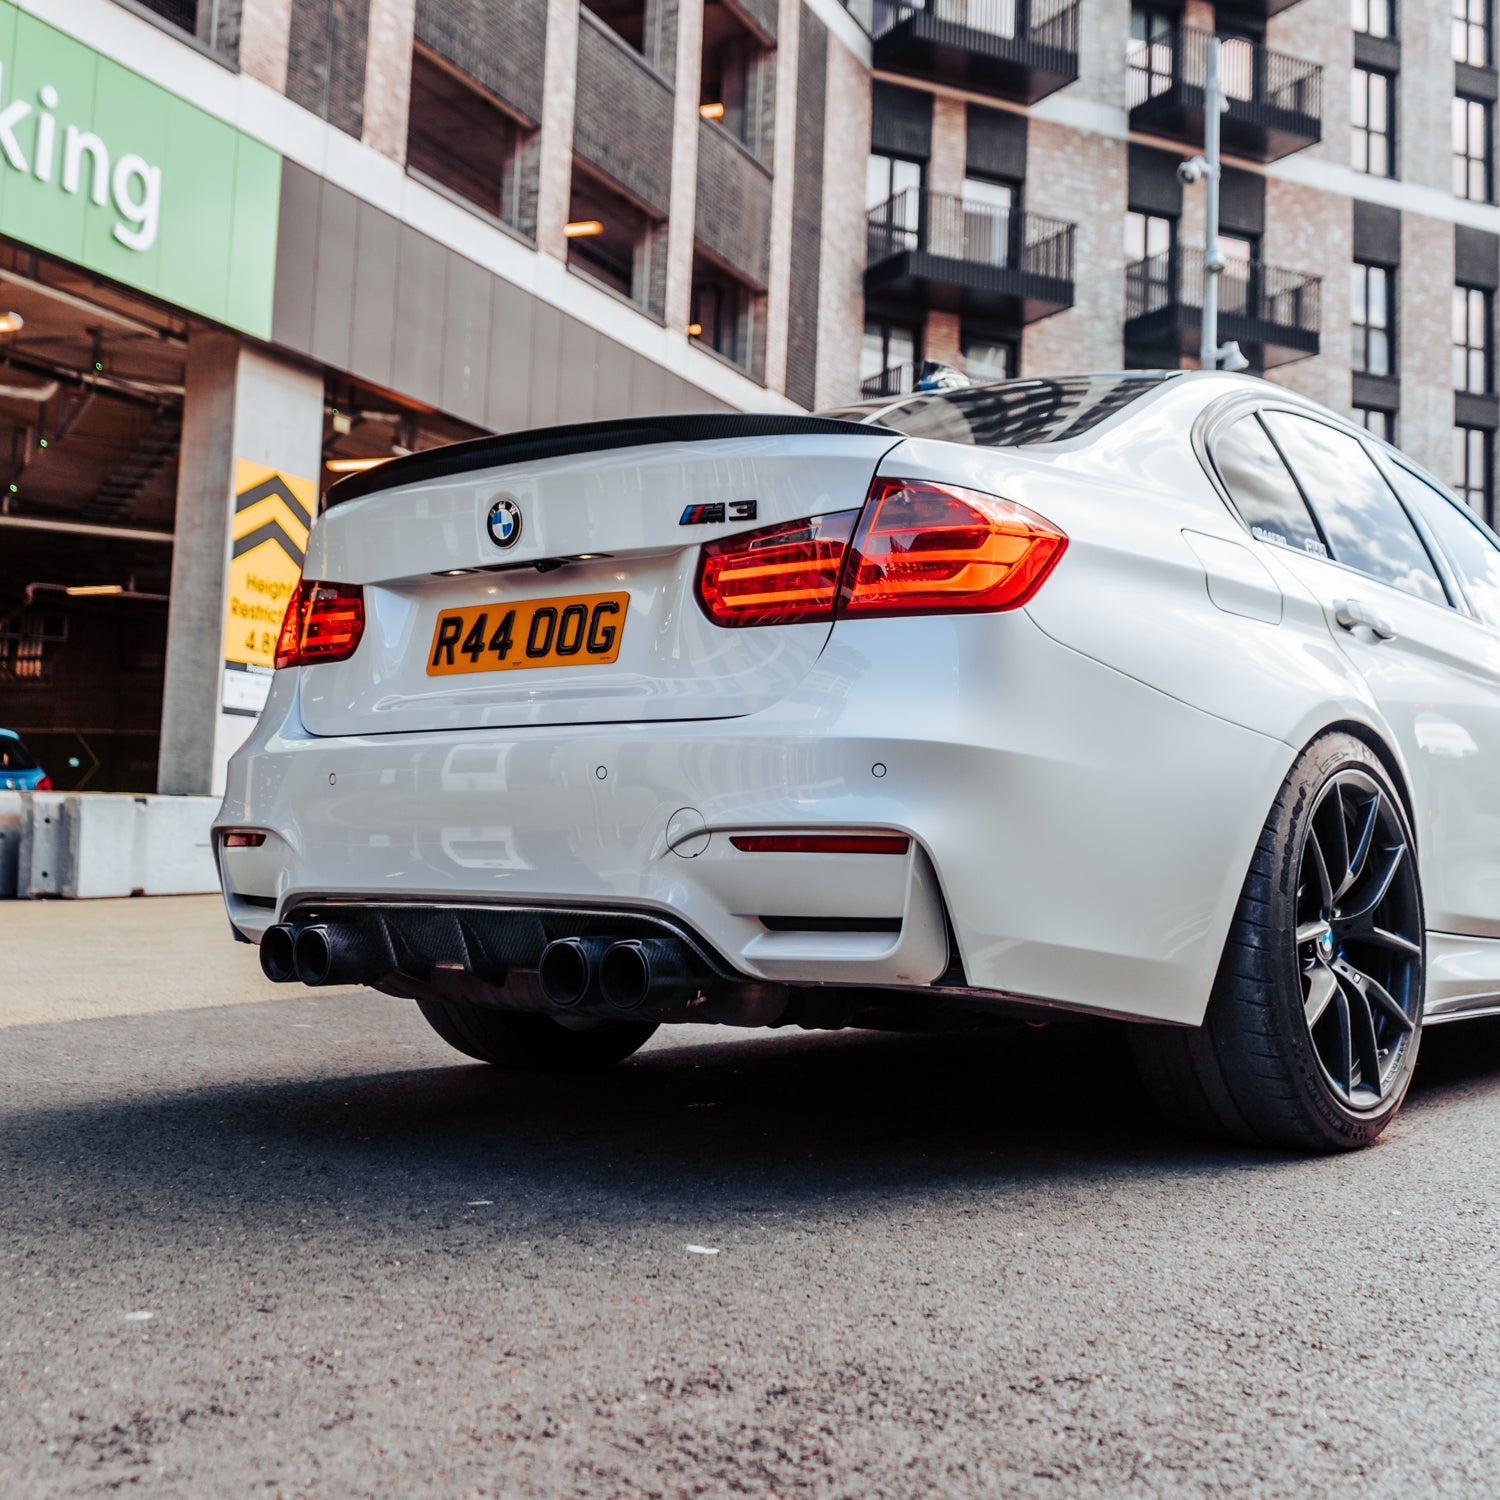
[[894, 380], [1275, 101], [1016, 49], [1262, 307]]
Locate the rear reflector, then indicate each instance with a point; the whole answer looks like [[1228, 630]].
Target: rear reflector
[[779, 576], [923, 546], [44, 785], [821, 843], [243, 838], [324, 622]]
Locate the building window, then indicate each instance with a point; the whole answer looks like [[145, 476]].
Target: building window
[[1370, 319], [1370, 133], [888, 359], [1149, 53], [1381, 423], [1471, 340], [989, 222], [1373, 17], [987, 357], [1149, 242], [626, 18], [1471, 32], [460, 140], [893, 203], [723, 312], [732, 82], [1473, 472], [610, 239], [1471, 149]]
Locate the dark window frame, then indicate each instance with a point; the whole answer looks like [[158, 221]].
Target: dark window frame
[[1484, 159], [1369, 8], [1464, 351], [1359, 354], [1363, 137], [1463, 486], [1470, 29]]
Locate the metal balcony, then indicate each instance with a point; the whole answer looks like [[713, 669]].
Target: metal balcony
[[1273, 314], [1275, 101], [1013, 49], [894, 380], [935, 249]]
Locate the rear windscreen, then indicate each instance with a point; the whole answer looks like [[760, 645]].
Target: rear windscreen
[[1011, 413], [14, 756]]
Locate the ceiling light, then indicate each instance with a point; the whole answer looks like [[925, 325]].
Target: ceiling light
[[711, 111], [577, 229], [82, 590], [694, 330], [353, 465], [11, 322]]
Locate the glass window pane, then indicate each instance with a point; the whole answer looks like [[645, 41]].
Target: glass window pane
[[1260, 486], [1473, 555], [1364, 523]]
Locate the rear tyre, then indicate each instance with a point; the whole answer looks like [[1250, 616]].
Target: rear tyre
[[534, 1043], [1313, 1025]]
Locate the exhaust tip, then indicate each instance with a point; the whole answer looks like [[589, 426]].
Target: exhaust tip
[[312, 955], [625, 975], [276, 960], [565, 971]]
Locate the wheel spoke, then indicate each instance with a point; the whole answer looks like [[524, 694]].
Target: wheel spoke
[[1379, 886], [1383, 939], [1321, 986], [1341, 1063], [1381, 997], [1339, 853], [1362, 842], [1320, 868], [1310, 932], [1362, 1028]]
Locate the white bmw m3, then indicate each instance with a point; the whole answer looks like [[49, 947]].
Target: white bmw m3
[[1170, 698]]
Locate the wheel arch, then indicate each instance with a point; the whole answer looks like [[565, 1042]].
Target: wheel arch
[[1388, 757]]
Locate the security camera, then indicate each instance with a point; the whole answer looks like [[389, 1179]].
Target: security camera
[[1193, 170], [1231, 358]]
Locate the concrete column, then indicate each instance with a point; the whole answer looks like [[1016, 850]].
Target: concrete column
[[266, 40], [388, 76], [244, 412], [559, 87], [948, 165], [783, 168], [682, 215]]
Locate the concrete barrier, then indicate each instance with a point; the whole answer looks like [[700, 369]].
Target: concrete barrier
[[10, 841], [80, 844]]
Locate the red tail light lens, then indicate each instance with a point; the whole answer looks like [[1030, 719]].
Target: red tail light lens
[[923, 546], [820, 843], [44, 785], [779, 576], [324, 622], [243, 838]]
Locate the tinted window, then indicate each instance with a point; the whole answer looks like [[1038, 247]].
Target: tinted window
[[14, 756], [1010, 413], [1363, 521], [1260, 486], [1474, 556]]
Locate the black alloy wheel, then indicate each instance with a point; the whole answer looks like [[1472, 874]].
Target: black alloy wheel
[[1312, 1028], [1359, 939]]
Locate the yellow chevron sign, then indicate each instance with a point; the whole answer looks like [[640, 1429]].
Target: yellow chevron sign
[[272, 514]]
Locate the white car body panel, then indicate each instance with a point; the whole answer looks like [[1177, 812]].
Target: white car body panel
[[1084, 780]]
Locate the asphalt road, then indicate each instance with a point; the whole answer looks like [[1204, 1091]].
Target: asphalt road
[[299, 1248]]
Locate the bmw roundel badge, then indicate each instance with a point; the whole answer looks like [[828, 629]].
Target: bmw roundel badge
[[504, 523]]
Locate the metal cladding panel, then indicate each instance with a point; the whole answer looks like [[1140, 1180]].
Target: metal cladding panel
[[807, 211], [421, 289], [613, 396], [296, 258], [996, 142], [1242, 201], [333, 282], [1155, 187], [546, 364], [761, 14], [733, 216], [326, 60], [466, 342], [1476, 257], [578, 354], [512, 319], [623, 116], [376, 254], [1377, 233], [901, 120], [502, 47]]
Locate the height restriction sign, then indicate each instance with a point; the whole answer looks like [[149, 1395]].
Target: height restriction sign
[[272, 514]]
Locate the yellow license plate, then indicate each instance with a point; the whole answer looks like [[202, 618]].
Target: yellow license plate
[[583, 629]]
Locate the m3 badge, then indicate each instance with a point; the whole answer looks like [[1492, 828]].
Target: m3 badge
[[719, 511]]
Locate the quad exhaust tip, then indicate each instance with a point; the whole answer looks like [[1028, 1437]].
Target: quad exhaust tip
[[276, 961]]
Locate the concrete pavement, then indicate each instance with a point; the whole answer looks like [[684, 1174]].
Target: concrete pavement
[[300, 1248]]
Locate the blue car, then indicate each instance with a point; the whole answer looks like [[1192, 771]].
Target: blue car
[[19, 771]]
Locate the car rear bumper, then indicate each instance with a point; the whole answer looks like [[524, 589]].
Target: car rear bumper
[[1086, 835]]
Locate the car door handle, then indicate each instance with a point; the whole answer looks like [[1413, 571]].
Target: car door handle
[[1352, 613]]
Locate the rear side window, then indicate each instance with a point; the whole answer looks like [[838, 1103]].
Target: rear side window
[[1363, 521], [1265, 493], [1475, 558], [14, 756]]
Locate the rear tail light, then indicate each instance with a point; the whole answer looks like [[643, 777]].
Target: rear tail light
[[243, 838], [820, 843], [44, 785], [919, 548], [324, 622], [779, 576]]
